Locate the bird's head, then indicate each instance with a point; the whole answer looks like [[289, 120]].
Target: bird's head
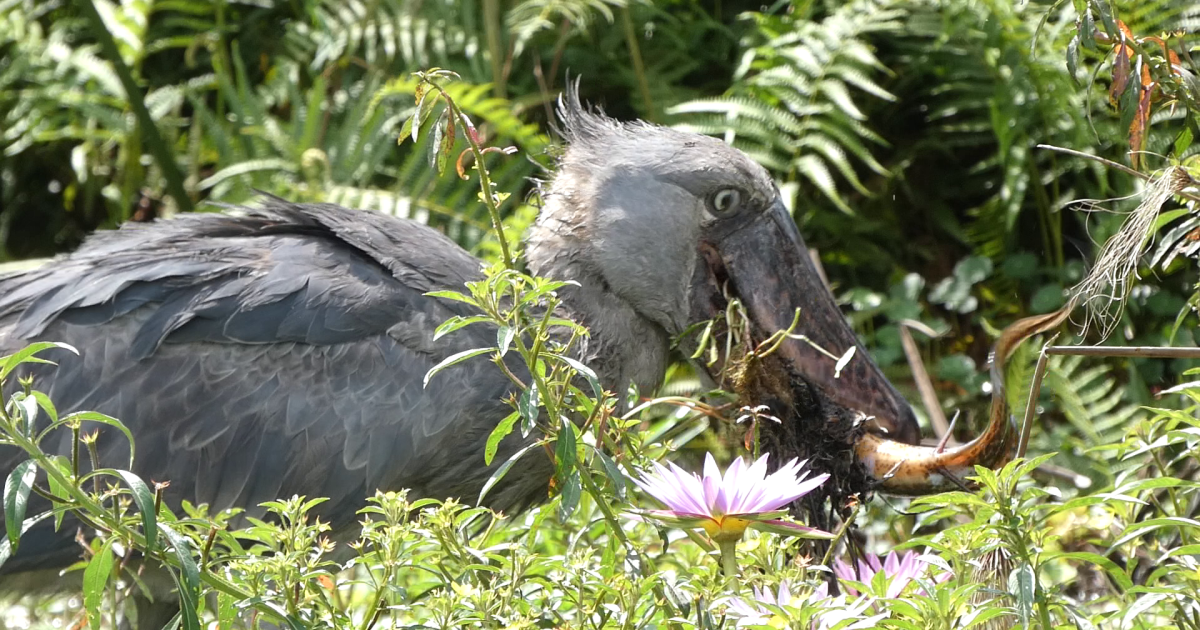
[[676, 223]]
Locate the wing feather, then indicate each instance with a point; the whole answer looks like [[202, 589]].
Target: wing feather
[[274, 353]]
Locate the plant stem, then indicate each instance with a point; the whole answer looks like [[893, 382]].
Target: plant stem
[[728, 557], [639, 69], [485, 182], [491, 23], [137, 101]]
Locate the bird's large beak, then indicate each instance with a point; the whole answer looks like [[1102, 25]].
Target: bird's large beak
[[765, 264]]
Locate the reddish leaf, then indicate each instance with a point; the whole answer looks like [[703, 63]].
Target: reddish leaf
[[1137, 129], [471, 130], [458, 164], [1120, 73]]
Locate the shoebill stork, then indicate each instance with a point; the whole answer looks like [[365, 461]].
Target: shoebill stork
[[280, 350]]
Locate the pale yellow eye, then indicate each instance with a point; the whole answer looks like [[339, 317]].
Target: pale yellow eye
[[725, 200]]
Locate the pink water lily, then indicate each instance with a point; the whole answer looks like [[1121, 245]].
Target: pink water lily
[[755, 612], [900, 568], [726, 505]]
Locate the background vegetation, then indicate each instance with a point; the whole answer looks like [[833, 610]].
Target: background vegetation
[[905, 134]]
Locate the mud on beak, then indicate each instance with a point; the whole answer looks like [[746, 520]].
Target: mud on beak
[[764, 263]]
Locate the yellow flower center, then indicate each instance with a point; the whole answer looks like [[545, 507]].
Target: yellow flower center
[[726, 528]]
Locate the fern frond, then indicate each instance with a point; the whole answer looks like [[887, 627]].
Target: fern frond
[[795, 102]]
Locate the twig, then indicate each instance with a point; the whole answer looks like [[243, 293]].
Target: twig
[[1035, 390], [924, 385], [1111, 164], [1152, 352]]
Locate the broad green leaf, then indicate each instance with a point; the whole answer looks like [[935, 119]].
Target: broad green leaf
[[25, 355], [145, 502], [226, 611], [46, 404], [1183, 142], [586, 372], [95, 581], [614, 473], [92, 416], [456, 322], [64, 467], [16, 499], [503, 470], [564, 450], [568, 499], [454, 359], [504, 338], [452, 295], [1021, 586], [499, 433]]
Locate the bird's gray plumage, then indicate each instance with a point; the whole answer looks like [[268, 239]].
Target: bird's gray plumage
[[281, 350], [273, 353]]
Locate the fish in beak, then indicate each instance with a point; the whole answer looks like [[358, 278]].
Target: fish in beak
[[907, 470], [765, 264]]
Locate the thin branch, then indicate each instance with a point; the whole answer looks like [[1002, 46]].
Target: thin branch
[[925, 386], [1111, 164], [1154, 352], [1035, 390]]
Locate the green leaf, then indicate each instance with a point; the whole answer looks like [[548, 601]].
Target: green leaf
[[1021, 586], [564, 450], [64, 466], [504, 338], [46, 405], [406, 129], [1183, 142], [456, 322], [92, 416], [188, 579], [499, 433], [457, 357], [568, 499], [614, 473], [25, 355], [528, 404], [95, 581], [16, 499], [145, 502], [503, 470], [435, 147], [587, 373], [226, 611], [188, 603], [452, 295], [1073, 59]]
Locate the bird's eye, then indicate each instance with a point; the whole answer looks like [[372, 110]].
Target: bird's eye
[[725, 201]]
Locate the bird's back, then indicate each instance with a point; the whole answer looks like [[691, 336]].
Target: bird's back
[[274, 353]]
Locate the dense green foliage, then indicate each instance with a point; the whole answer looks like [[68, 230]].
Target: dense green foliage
[[905, 135]]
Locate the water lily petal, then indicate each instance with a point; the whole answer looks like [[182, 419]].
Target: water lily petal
[[787, 528]]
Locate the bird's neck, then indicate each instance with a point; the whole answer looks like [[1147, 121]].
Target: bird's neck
[[623, 348]]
